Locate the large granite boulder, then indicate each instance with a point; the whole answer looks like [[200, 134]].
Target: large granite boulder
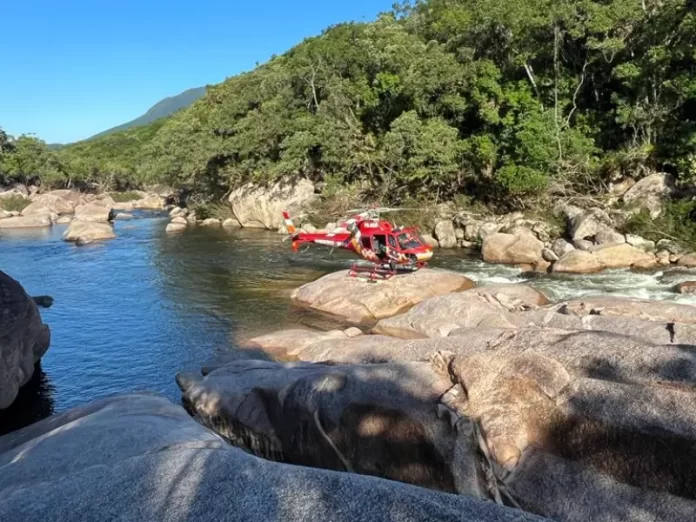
[[649, 193], [490, 306], [24, 338], [603, 257], [586, 224], [520, 248], [140, 457], [149, 202], [97, 211], [372, 419], [34, 221], [357, 300], [262, 207], [445, 234], [627, 448], [85, 232], [57, 202]]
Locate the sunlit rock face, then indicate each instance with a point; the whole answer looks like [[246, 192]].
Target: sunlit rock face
[[359, 301], [140, 457]]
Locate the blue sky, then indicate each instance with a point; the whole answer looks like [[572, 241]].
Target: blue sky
[[72, 68]]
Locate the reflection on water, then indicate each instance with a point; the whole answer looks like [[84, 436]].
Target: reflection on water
[[34, 402], [132, 312]]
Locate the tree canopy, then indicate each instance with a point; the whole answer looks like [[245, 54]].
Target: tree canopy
[[498, 100]]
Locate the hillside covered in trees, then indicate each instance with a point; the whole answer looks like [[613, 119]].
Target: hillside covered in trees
[[505, 102]]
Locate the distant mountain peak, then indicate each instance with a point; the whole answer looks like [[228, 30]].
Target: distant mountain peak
[[161, 109]]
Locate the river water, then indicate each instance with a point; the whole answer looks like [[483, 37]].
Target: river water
[[132, 312]]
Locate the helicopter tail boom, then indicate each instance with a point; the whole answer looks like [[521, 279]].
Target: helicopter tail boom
[[289, 225]]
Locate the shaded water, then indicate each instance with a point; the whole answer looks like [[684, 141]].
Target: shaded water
[[132, 312]]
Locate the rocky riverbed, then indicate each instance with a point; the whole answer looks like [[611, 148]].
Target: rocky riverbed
[[482, 391]]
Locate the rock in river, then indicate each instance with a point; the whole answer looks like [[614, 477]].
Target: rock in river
[[33, 221], [23, 338], [520, 248], [96, 211], [141, 457], [84, 232], [357, 300]]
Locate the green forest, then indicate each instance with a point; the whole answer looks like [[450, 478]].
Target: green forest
[[506, 103]]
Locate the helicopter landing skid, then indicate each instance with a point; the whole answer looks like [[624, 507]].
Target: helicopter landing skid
[[376, 273], [372, 273]]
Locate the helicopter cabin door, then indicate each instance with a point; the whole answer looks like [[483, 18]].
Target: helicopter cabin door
[[379, 244]]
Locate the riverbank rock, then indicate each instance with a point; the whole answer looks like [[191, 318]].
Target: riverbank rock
[[176, 226], [178, 211], [98, 211], [561, 247], [262, 207], [33, 221], [623, 256], [445, 234], [586, 224], [85, 232], [687, 287], [57, 202], [287, 344], [687, 261], [357, 300], [24, 339], [641, 243], [140, 457], [578, 262], [63, 220], [210, 222], [149, 202], [604, 257], [372, 419], [649, 193], [230, 223], [488, 306], [179, 220], [522, 247]]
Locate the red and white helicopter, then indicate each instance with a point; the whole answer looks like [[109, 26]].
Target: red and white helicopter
[[389, 247]]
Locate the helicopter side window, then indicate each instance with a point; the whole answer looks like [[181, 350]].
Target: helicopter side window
[[366, 243], [407, 241], [392, 243]]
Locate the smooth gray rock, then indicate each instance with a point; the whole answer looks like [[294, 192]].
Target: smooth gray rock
[[140, 457]]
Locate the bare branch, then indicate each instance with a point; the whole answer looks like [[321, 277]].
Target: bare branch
[[577, 91]]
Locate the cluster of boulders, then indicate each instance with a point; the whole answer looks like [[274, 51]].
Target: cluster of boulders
[[588, 243], [89, 215], [182, 218], [582, 410]]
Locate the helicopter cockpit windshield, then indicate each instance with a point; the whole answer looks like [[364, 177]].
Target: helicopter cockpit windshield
[[408, 241]]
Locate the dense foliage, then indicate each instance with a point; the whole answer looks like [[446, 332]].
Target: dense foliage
[[500, 100]]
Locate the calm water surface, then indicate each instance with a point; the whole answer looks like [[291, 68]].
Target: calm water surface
[[132, 312]]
